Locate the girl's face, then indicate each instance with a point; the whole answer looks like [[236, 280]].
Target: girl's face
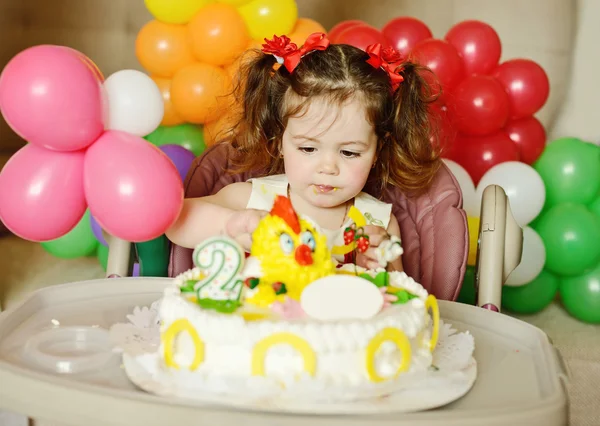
[[328, 152]]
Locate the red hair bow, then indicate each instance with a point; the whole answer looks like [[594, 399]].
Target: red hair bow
[[389, 60], [288, 54]]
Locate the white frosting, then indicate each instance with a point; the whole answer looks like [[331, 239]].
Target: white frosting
[[339, 346]]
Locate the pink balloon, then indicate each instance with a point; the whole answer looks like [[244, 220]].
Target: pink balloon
[[132, 188], [52, 97], [41, 193]]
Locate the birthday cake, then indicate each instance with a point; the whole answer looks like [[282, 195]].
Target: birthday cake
[[288, 317]]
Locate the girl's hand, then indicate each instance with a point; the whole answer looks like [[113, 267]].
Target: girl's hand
[[242, 224], [377, 235]]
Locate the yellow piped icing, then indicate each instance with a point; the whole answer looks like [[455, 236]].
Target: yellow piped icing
[[360, 221], [431, 303], [259, 352], [168, 337], [399, 339]]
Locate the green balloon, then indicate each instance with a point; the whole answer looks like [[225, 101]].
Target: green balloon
[[581, 295], [467, 291], [570, 169], [102, 255], [531, 297], [571, 235], [153, 257], [595, 206], [186, 135], [79, 242]]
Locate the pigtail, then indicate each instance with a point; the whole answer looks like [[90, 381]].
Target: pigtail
[[256, 133], [409, 160]]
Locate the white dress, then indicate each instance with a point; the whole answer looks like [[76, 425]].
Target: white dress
[[375, 212]]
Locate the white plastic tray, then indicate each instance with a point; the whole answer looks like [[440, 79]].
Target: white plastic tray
[[519, 381]]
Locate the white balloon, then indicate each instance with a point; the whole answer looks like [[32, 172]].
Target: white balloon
[[471, 204], [532, 261], [134, 103], [523, 186]]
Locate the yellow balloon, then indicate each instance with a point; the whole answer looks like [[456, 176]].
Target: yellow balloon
[[175, 11], [266, 18], [235, 3], [473, 223]]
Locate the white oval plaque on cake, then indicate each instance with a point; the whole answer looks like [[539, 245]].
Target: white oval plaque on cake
[[339, 297]]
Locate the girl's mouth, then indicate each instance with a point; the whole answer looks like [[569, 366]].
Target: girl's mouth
[[324, 189]]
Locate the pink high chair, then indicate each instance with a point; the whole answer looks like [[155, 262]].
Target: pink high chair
[[433, 225]]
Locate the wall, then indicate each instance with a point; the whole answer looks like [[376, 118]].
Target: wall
[[105, 30]]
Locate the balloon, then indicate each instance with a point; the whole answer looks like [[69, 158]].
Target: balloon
[[186, 135], [218, 34], [479, 105], [174, 11], [265, 18], [303, 28], [532, 261], [523, 186], [153, 257], [531, 297], [530, 137], [163, 49], [182, 158], [235, 3], [405, 32], [595, 206], [477, 44], [527, 86], [478, 154], [199, 92], [135, 103], [170, 117], [337, 29], [442, 58], [570, 169], [471, 204], [97, 231], [571, 234], [133, 190], [581, 295], [473, 224], [78, 242], [467, 291], [361, 36], [52, 98], [41, 193], [102, 255]]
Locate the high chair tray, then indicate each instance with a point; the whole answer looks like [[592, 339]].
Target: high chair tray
[[520, 374]]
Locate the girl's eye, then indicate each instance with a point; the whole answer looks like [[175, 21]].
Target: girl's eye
[[308, 238], [350, 154], [286, 243], [307, 150]]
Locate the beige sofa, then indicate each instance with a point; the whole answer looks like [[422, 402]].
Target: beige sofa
[[543, 30]]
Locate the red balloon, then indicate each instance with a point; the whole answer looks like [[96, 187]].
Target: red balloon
[[527, 85], [479, 105], [530, 137], [442, 58], [478, 44], [405, 32], [361, 36], [478, 154], [335, 31]]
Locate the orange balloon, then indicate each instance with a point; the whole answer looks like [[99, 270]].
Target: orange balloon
[[200, 92], [171, 118], [305, 27], [218, 34], [163, 49]]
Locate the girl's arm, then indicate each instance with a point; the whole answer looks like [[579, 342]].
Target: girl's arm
[[205, 217]]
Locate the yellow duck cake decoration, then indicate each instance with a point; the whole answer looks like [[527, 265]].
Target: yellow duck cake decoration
[[290, 252]]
